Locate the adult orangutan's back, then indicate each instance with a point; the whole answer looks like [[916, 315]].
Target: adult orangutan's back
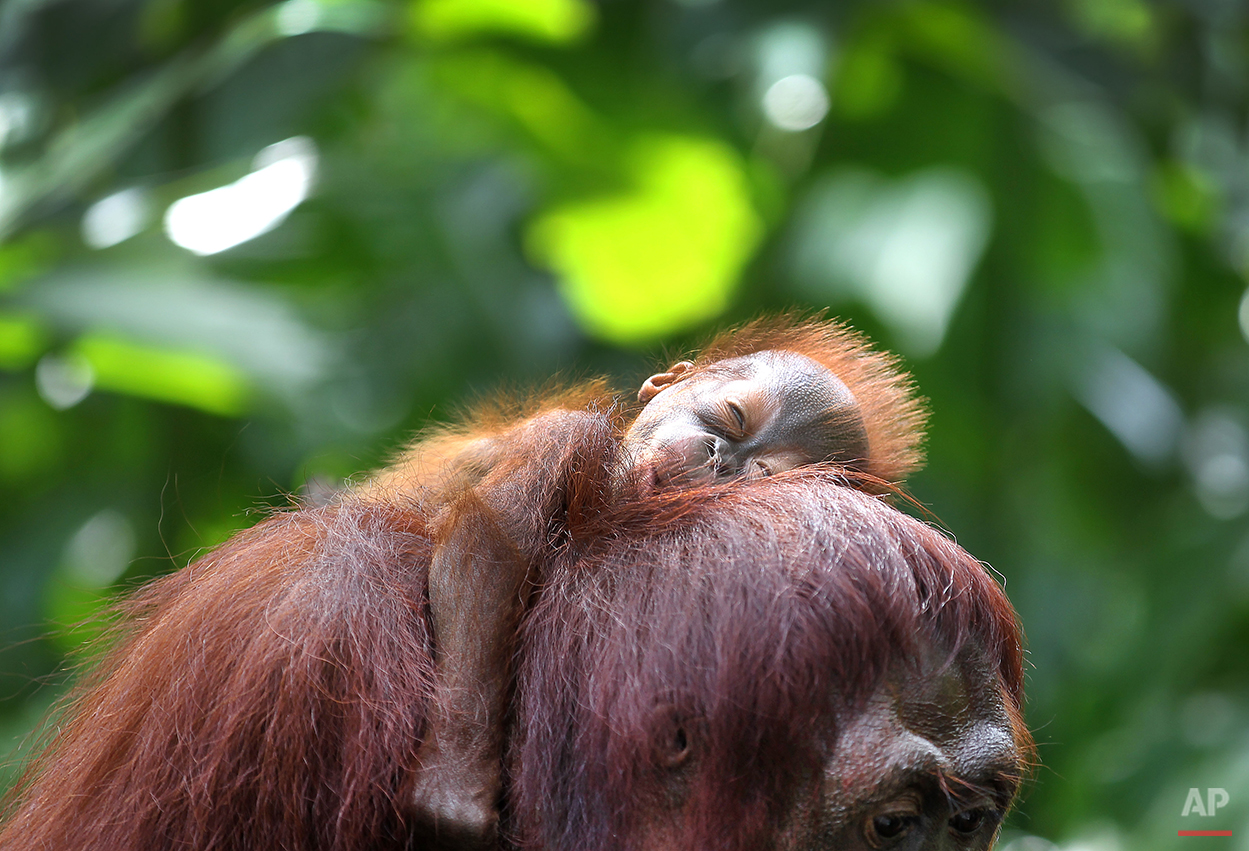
[[270, 695], [724, 650]]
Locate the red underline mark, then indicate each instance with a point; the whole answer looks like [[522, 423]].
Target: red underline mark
[[1205, 833]]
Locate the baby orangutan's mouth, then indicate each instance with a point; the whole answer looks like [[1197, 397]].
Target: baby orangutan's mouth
[[675, 471]]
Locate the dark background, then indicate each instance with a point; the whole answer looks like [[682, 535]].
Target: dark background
[[1043, 206]]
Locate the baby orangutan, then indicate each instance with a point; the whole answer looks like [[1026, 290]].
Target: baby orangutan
[[767, 398]]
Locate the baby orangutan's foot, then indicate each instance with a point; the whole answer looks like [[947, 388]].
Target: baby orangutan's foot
[[457, 802]]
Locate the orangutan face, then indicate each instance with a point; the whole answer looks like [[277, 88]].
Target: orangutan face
[[744, 418], [931, 762]]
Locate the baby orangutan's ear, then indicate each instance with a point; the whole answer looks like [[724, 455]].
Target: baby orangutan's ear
[[661, 380]]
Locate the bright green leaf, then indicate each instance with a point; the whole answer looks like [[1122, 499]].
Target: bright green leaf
[[184, 378], [663, 256], [551, 21], [22, 339]]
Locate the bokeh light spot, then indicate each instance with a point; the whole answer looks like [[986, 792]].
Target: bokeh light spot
[[907, 248], [95, 557], [662, 257], [115, 218], [797, 102], [17, 113], [222, 218], [64, 380], [296, 17], [1134, 405], [1029, 843], [1244, 315], [1216, 452], [100, 551]]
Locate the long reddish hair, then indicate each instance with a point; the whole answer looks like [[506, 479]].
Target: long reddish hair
[[272, 694], [269, 695], [761, 615]]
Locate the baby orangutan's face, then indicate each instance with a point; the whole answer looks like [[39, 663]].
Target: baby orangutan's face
[[744, 417]]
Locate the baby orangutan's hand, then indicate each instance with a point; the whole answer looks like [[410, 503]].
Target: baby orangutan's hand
[[457, 800]]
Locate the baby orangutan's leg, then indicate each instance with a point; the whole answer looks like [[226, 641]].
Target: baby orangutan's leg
[[476, 583]]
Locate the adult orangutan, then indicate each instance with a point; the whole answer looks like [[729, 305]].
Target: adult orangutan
[[277, 692], [785, 663]]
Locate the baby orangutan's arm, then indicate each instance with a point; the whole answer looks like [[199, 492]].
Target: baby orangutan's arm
[[492, 539]]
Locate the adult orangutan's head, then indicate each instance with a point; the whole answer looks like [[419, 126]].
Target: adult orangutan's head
[[789, 665]]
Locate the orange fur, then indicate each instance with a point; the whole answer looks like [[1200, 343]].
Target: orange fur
[[446, 459], [892, 413]]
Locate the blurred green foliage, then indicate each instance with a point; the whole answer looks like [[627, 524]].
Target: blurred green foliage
[[246, 248]]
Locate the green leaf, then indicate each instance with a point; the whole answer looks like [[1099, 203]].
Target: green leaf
[[661, 257], [550, 21], [22, 339], [184, 378], [243, 329]]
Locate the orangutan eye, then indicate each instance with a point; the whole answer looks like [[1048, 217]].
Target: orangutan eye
[[970, 821], [739, 416], [886, 828]]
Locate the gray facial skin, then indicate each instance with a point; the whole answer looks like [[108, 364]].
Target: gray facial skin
[[745, 417], [929, 764]]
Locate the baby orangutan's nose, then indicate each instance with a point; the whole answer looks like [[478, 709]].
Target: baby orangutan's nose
[[689, 460]]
